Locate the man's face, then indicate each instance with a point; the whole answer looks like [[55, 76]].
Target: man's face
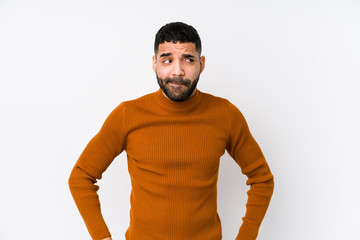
[[177, 67]]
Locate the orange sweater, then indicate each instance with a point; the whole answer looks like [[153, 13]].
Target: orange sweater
[[173, 152]]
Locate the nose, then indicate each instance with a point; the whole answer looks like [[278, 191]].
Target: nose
[[178, 69]]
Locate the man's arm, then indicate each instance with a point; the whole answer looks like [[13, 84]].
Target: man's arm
[[93, 161], [243, 148]]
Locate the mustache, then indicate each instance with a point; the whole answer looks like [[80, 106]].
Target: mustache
[[178, 80]]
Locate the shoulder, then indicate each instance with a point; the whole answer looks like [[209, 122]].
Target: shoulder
[[136, 101], [207, 97], [228, 109], [140, 100], [217, 101], [133, 104]]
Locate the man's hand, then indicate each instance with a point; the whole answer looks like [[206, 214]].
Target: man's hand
[[108, 238]]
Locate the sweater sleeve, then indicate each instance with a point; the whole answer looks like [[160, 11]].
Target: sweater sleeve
[[93, 161], [243, 148]]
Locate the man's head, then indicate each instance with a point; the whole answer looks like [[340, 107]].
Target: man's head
[[177, 32], [177, 61]]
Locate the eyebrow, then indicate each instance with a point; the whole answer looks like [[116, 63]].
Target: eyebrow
[[184, 55], [188, 56], [165, 54]]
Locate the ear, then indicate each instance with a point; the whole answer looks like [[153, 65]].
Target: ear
[[154, 63], [202, 63]]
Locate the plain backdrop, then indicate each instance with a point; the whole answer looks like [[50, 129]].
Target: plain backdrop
[[291, 67]]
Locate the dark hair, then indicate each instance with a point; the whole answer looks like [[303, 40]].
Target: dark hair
[[177, 32]]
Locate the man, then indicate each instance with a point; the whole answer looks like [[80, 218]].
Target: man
[[174, 139]]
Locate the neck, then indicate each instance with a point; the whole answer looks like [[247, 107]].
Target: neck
[[170, 106], [192, 94]]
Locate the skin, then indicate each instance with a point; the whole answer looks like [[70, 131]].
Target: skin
[[179, 62], [178, 66]]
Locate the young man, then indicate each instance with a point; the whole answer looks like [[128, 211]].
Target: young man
[[174, 139]]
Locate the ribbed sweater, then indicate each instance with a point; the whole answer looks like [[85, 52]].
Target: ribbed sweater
[[173, 152]]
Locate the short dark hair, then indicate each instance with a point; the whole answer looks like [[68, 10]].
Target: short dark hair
[[177, 32]]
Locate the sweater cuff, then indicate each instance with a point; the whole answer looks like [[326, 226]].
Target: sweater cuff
[[98, 231], [248, 231]]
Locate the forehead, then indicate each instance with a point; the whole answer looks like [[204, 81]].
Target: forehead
[[177, 48]]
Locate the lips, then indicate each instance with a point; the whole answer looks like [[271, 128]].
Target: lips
[[176, 84], [176, 81]]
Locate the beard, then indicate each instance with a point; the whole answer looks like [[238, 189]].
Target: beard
[[177, 93]]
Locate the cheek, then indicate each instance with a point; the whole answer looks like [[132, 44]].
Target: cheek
[[162, 72], [194, 72]]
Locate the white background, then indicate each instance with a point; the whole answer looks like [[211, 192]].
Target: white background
[[291, 67]]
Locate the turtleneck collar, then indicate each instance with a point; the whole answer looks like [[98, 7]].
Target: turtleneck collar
[[171, 106]]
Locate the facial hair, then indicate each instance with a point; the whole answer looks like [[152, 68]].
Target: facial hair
[[179, 93]]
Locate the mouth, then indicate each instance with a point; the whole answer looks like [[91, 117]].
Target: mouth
[[176, 84]]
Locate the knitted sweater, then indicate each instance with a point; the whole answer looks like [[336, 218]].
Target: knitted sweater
[[173, 152]]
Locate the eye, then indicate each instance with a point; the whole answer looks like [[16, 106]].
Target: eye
[[167, 61], [190, 60]]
